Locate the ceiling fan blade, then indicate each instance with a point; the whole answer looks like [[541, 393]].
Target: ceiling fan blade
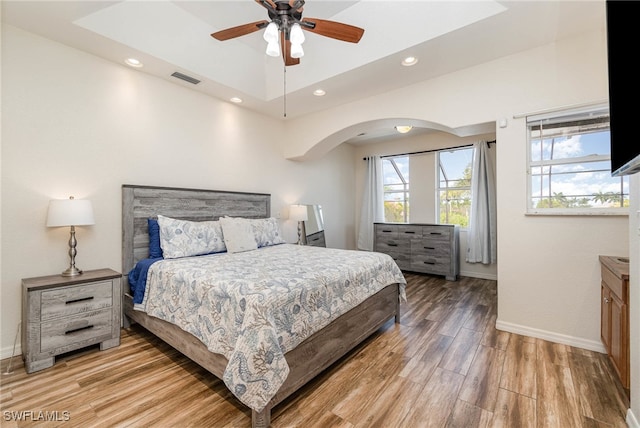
[[296, 5], [335, 30], [240, 30], [285, 46], [267, 4]]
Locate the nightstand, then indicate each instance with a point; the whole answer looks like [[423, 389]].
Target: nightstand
[[62, 314]]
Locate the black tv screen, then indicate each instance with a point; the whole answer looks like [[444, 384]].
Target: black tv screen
[[624, 81]]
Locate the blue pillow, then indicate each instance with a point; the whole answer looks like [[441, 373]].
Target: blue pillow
[[155, 250]]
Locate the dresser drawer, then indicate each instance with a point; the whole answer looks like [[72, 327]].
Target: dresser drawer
[[615, 284], [409, 231], [384, 231], [402, 258], [434, 233], [426, 263], [429, 247], [62, 302], [83, 329]]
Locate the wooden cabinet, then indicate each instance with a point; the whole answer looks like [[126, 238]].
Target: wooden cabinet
[[614, 311], [425, 248], [62, 314]]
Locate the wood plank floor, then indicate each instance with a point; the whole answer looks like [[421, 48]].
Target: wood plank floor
[[444, 365]]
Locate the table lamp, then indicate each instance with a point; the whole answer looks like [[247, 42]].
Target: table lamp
[[299, 213], [70, 212]]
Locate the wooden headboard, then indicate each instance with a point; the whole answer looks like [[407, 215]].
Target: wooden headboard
[[141, 202]]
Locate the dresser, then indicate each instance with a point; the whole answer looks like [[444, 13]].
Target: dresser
[[614, 313], [316, 239], [425, 248], [62, 314]]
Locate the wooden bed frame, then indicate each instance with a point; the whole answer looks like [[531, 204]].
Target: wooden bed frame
[[305, 361]]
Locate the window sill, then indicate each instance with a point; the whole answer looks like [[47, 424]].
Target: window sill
[[578, 212]]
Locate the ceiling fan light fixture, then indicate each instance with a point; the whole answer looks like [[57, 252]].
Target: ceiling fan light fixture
[[273, 49], [403, 129], [296, 50], [271, 33], [296, 36]]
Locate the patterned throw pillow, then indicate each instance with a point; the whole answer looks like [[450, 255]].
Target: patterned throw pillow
[[184, 238], [267, 232], [238, 234]]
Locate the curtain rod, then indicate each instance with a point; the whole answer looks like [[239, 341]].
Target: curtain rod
[[431, 151]]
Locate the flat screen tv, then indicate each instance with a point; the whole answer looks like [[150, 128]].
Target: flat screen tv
[[624, 84]]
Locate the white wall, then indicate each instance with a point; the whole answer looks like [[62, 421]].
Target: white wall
[[423, 177], [548, 270], [77, 125]]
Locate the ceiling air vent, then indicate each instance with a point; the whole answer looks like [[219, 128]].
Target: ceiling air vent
[[185, 77]]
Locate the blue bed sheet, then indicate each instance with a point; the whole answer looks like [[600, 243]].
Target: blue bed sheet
[[138, 278]]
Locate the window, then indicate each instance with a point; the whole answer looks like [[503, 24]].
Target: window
[[454, 186], [569, 165], [395, 176]]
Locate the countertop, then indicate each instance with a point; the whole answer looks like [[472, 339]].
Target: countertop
[[617, 264]]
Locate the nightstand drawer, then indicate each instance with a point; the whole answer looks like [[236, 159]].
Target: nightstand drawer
[[62, 302], [91, 328]]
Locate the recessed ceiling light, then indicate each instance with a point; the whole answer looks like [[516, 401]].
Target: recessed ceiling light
[[236, 100], [403, 129], [133, 62], [409, 61], [319, 92]]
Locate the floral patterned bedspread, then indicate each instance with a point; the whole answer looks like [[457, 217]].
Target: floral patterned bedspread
[[253, 307]]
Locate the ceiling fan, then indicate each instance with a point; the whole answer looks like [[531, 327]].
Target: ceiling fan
[[284, 32]]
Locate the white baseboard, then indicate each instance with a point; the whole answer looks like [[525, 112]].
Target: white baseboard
[[632, 421], [551, 336], [479, 275], [6, 352]]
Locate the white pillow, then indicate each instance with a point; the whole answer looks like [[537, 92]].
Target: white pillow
[[267, 231], [238, 234], [184, 238]]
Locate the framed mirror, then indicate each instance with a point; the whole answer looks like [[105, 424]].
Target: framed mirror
[[314, 226]]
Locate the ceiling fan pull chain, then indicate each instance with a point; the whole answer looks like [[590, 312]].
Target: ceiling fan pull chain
[[285, 89]]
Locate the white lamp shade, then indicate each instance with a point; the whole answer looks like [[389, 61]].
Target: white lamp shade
[[271, 33], [298, 212], [70, 212], [273, 49], [296, 36], [296, 51]]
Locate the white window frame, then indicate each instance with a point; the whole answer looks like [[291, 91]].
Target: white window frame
[[566, 116], [405, 183], [439, 189]]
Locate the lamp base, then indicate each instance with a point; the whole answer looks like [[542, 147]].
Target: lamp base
[[302, 233], [72, 271]]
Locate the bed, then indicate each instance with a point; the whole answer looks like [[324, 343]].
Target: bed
[[279, 349]]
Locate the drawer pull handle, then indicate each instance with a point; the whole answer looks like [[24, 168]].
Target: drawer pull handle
[[606, 300], [435, 233], [429, 248], [83, 299], [409, 231], [387, 231], [429, 263], [315, 239], [75, 330], [392, 245]]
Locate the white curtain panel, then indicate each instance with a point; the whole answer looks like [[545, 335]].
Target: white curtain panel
[[372, 203], [481, 233]]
